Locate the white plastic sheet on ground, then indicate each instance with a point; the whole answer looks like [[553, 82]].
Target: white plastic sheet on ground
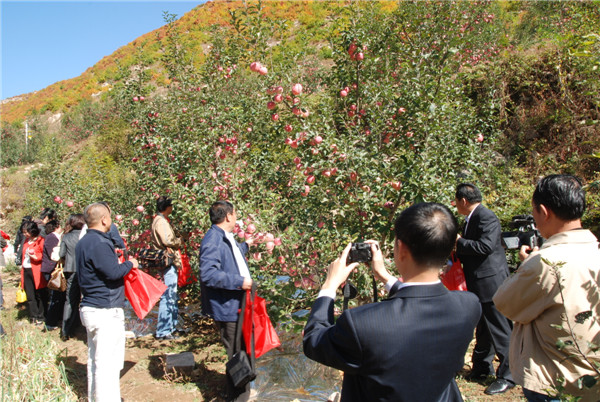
[[283, 374]]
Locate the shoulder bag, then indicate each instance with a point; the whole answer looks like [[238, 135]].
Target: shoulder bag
[[57, 279], [241, 366], [151, 258]]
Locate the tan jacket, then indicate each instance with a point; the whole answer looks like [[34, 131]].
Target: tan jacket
[[531, 298], [163, 237]]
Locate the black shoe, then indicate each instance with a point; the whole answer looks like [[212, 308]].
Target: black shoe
[[476, 375], [170, 337], [499, 386]]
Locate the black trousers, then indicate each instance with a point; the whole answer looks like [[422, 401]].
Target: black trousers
[[492, 337], [227, 332], [35, 297]]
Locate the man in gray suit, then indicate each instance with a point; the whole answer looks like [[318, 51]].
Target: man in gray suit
[[484, 263]]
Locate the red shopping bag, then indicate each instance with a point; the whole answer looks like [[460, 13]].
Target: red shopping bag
[[265, 337], [185, 275], [142, 291], [454, 278]]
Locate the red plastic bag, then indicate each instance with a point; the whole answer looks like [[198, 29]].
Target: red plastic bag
[[454, 278], [142, 291], [265, 337], [185, 275]]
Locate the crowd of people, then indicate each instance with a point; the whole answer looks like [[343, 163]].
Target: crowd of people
[[408, 347]]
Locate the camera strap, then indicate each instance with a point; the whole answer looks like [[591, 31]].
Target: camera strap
[[349, 291]]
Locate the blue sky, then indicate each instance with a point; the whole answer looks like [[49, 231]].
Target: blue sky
[[48, 41]]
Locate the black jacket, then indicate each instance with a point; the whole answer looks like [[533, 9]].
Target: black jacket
[[406, 348], [482, 255]]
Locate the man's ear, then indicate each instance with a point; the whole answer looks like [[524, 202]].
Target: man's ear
[[545, 212], [401, 249]]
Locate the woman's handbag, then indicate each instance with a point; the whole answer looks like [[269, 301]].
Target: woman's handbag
[[240, 368], [21, 295], [57, 279], [151, 258]]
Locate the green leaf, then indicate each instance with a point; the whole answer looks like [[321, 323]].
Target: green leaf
[[586, 381], [581, 317]]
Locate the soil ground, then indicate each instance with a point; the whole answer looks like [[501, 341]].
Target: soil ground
[[144, 377]]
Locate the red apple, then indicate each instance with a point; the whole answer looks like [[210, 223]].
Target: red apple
[[140, 208], [479, 138], [270, 106], [70, 204], [251, 228], [297, 89], [343, 93], [58, 200], [263, 70]]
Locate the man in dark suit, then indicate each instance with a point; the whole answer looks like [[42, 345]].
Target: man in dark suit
[[410, 346], [484, 263]]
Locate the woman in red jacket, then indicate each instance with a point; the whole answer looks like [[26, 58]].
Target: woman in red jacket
[[31, 274]]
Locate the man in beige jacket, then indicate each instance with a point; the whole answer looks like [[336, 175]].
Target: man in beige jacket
[[164, 238], [553, 298]]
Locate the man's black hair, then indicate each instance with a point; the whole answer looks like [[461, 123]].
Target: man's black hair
[[162, 203], [48, 213], [32, 228], [429, 231], [51, 226], [562, 194], [469, 192], [219, 210]]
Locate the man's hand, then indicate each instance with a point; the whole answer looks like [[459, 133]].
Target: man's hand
[[247, 285], [250, 241], [135, 262], [338, 271], [377, 264], [525, 250]]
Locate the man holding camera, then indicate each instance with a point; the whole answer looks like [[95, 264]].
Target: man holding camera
[[411, 345], [553, 297], [484, 263]]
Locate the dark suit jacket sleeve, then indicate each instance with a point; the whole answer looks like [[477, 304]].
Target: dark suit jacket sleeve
[[332, 344], [489, 230]]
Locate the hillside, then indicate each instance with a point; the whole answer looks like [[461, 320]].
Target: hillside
[[303, 17]]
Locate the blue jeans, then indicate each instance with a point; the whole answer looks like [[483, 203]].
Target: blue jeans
[[167, 309], [533, 396]]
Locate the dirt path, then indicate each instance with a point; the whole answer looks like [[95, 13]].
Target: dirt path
[[144, 378]]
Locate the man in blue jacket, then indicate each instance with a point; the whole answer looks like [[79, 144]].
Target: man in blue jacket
[[101, 281], [224, 276]]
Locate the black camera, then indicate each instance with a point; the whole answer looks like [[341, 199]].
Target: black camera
[[525, 234], [360, 252]]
